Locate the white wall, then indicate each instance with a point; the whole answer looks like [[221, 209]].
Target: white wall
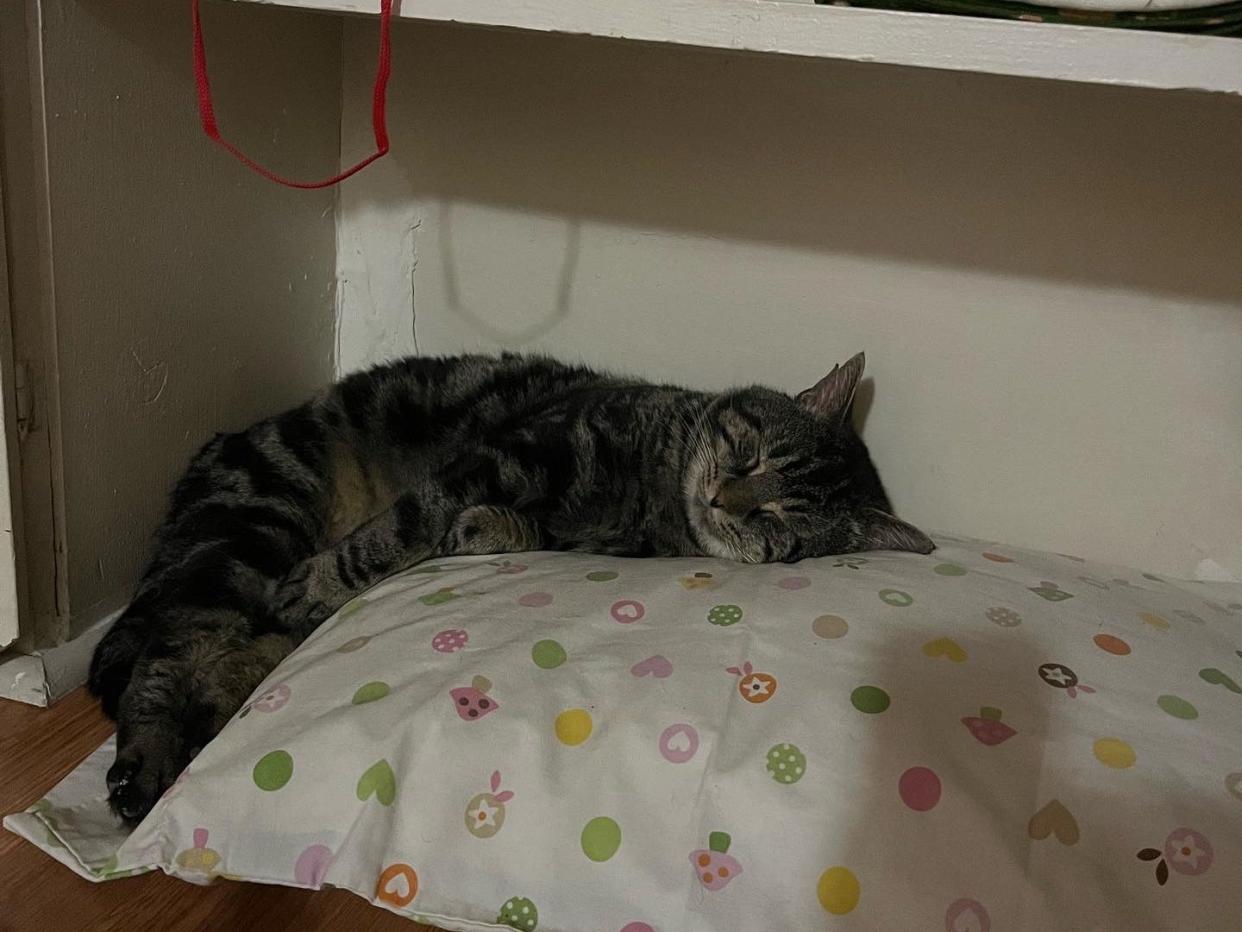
[[1047, 278]]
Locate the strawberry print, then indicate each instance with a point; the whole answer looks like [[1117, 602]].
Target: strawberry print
[[714, 866], [472, 702], [987, 727]]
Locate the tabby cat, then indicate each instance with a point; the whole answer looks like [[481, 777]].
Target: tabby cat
[[274, 528]]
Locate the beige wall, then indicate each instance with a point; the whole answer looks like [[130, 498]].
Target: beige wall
[[1047, 278], [181, 295]]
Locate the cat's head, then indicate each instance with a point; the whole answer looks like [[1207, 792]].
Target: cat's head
[[778, 478]]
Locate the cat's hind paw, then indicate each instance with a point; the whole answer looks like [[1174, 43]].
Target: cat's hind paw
[[137, 780]]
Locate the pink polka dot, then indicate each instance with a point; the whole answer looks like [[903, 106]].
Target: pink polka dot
[[627, 611], [637, 927], [919, 788], [535, 599], [794, 582]]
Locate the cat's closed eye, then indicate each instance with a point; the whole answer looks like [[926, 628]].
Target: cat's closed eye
[[749, 465]]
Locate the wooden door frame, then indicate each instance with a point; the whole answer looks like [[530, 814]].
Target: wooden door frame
[[27, 340]]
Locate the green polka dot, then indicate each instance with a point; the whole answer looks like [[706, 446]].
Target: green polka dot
[[786, 764], [439, 597], [896, 598], [870, 699], [602, 576], [370, 692], [601, 838], [273, 770], [1177, 707], [725, 615], [352, 606], [548, 655], [949, 569]]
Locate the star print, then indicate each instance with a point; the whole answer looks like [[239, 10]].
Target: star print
[[1056, 675], [485, 814], [758, 688]]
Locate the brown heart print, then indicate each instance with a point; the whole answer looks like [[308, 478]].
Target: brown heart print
[[1054, 819]]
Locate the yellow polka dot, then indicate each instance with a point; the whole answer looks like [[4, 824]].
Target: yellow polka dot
[[1156, 621], [838, 890], [1115, 753], [573, 726]]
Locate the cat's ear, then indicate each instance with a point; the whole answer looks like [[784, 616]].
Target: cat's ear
[[832, 395], [883, 531]]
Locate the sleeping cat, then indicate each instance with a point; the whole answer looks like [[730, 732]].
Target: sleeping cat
[[274, 528]]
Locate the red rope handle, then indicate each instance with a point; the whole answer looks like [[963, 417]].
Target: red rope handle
[[379, 123]]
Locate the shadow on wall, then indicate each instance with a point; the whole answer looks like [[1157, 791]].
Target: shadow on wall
[[482, 323], [1087, 184]]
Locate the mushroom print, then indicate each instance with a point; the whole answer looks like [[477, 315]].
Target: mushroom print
[[519, 913], [697, 581], [472, 702], [1185, 850], [271, 700], [754, 687], [1059, 676], [449, 641], [714, 866], [485, 813]]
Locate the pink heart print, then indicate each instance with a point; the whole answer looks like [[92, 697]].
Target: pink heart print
[[656, 666]]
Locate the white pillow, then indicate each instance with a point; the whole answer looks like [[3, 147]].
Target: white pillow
[[982, 738]]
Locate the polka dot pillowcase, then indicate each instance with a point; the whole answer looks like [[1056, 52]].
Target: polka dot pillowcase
[[980, 739]]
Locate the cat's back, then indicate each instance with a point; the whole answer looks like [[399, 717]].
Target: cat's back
[[418, 399]]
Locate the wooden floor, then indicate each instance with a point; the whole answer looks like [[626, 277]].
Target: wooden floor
[[37, 748]]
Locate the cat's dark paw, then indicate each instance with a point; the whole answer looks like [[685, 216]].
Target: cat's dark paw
[[301, 616], [294, 587], [137, 780], [306, 597]]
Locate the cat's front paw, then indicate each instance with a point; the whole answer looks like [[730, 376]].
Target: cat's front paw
[[307, 596]]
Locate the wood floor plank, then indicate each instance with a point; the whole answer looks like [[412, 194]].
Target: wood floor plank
[[38, 747]]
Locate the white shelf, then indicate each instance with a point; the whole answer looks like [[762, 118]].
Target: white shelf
[[1037, 50]]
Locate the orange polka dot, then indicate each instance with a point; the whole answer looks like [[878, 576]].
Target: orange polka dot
[[707, 878], [704, 860], [1111, 644], [724, 871]]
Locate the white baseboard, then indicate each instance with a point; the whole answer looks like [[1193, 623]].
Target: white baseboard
[[43, 676]]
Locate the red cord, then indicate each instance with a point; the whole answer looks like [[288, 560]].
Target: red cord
[[379, 124]]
